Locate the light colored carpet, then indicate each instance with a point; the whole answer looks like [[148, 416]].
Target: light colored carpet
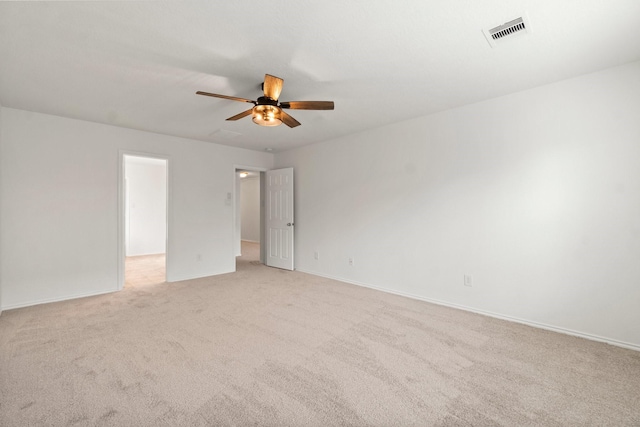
[[269, 347]]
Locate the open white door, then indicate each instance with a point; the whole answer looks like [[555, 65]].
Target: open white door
[[279, 221]]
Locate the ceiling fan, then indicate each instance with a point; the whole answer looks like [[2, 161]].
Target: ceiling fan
[[267, 111]]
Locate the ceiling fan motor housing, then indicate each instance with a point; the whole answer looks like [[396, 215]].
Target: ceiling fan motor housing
[[265, 100]]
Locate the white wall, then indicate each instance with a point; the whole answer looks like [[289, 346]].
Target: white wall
[[60, 205], [536, 195], [147, 205], [1, 111], [250, 209]]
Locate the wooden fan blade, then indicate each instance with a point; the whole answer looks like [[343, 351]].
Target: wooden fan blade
[[241, 115], [288, 120], [272, 86], [233, 98], [308, 105]]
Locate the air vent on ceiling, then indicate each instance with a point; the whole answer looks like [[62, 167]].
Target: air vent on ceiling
[[224, 135], [508, 30]]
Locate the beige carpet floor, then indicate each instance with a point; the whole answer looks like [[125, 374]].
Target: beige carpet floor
[[270, 347]]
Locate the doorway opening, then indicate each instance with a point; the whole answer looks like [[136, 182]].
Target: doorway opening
[[145, 220], [272, 209], [249, 217]]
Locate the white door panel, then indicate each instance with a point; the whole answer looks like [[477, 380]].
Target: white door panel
[[280, 218]]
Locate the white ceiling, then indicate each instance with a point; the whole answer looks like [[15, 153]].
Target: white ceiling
[[139, 64]]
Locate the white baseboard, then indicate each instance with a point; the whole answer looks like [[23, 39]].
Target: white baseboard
[[56, 299], [251, 241], [538, 325], [91, 294], [188, 277]]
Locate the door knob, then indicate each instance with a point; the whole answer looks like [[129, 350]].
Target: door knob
[[289, 224]]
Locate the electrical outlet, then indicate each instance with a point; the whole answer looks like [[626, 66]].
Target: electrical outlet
[[468, 280], [316, 255], [351, 261]]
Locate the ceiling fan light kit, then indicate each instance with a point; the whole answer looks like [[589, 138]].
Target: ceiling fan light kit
[[266, 115], [267, 111]]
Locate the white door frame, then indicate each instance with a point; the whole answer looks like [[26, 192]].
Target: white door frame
[[122, 206]]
